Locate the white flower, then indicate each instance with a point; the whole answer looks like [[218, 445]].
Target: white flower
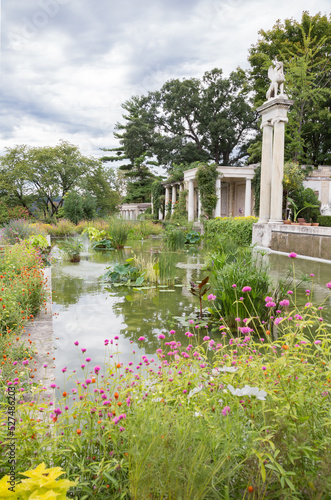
[[195, 390], [248, 391], [224, 369], [197, 414]]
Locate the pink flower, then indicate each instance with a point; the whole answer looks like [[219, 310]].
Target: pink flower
[[76, 343], [328, 285], [226, 410], [292, 255], [172, 332], [247, 289], [97, 369], [284, 303], [211, 297], [141, 339], [234, 286], [317, 342], [161, 336], [83, 350], [206, 338], [53, 386], [270, 304]]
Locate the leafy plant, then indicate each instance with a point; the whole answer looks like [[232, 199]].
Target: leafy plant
[[305, 205], [71, 249], [206, 180], [193, 238], [42, 484], [200, 290], [119, 232], [15, 231], [127, 274], [220, 230]]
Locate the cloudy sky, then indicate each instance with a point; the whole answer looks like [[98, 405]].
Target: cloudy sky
[[67, 65]]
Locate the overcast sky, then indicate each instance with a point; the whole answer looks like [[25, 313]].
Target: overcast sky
[[67, 65]]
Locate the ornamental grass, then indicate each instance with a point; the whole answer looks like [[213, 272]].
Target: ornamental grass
[[225, 416]]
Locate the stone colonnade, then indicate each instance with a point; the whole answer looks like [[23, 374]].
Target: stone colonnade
[[233, 191], [131, 211], [274, 117]]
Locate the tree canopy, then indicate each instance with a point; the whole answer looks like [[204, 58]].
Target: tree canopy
[[189, 120], [43, 175]]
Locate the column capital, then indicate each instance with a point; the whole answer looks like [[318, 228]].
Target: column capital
[[279, 119]]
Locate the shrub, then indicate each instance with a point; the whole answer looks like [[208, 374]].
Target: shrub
[[73, 207], [237, 229], [119, 231], [63, 228], [7, 213], [16, 230], [324, 220], [303, 197], [144, 229], [100, 224]]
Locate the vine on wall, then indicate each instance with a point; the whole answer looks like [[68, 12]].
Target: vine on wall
[[157, 193], [206, 181]]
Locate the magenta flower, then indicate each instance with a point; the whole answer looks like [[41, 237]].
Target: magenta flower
[[25, 362], [226, 410], [284, 303], [116, 337], [57, 411], [211, 297], [328, 285], [289, 292], [83, 350], [76, 343], [88, 381], [206, 338], [247, 289], [234, 286], [45, 366], [141, 339], [161, 336], [88, 360], [268, 299], [64, 369], [97, 369], [172, 332], [317, 342], [53, 386], [292, 255], [270, 304], [82, 366]]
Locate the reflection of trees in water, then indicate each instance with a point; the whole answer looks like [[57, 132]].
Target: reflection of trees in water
[[150, 314], [68, 290]]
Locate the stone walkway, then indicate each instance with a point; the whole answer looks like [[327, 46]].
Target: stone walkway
[[40, 332]]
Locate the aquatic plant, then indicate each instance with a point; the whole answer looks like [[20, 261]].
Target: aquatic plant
[[71, 249], [119, 231]]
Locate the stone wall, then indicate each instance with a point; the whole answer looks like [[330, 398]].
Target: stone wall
[[304, 240]]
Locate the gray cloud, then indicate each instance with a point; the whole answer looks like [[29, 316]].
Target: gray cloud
[[67, 65]]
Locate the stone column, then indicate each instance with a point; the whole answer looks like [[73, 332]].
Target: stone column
[[191, 200], [274, 115], [160, 214], [199, 205], [248, 198], [131, 214], [181, 187], [152, 205], [167, 199], [231, 200], [173, 197], [266, 166], [276, 199], [218, 208]]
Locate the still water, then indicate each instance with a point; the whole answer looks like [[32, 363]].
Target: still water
[[88, 310]]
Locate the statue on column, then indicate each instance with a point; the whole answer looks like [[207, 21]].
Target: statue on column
[[277, 77]]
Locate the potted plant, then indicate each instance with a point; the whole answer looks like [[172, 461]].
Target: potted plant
[[296, 211], [71, 249]]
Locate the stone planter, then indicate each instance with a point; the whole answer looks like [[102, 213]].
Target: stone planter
[[287, 222]]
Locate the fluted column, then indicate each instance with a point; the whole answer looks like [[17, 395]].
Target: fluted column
[[191, 200], [167, 199], [248, 198]]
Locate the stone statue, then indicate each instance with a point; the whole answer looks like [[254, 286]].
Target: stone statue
[[276, 75]]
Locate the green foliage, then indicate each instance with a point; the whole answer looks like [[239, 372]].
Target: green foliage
[[239, 269], [193, 238], [256, 184], [119, 231], [7, 213], [43, 175], [105, 244], [16, 230], [306, 202], [144, 229], [237, 229], [179, 210], [157, 190], [42, 484], [63, 227], [174, 238], [304, 47], [128, 274], [94, 234], [324, 220], [73, 207], [71, 249], [207, 119], [206, 181]]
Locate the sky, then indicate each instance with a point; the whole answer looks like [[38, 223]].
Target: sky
[[68, 65]]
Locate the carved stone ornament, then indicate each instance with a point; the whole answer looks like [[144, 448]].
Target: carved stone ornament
[[277, 77]]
